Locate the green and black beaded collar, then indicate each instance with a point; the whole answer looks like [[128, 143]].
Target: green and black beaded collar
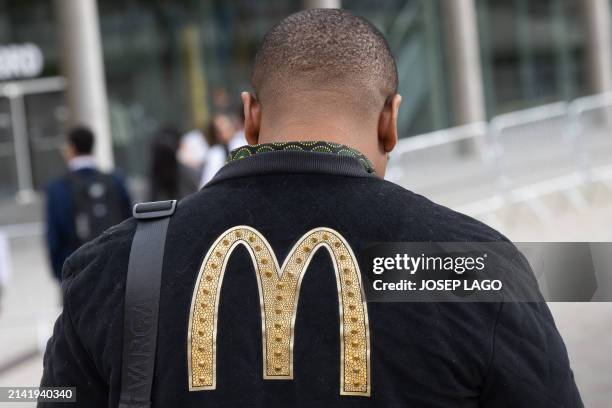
[[318, 147]]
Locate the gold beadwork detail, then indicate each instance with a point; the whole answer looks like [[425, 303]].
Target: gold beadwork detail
[[279, 290]]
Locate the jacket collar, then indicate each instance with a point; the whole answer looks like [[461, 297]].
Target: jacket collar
[[292, 162], [304, 146]]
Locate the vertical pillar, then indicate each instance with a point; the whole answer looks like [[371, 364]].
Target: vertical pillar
[[196, 79], [84, 69], [563, 53], [527, 63], [310, 4], [23, 159], [597, 14], [464, 54]]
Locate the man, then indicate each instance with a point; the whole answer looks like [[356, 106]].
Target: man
[[82, 203], [232, 332]]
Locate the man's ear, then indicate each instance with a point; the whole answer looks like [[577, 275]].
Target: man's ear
[[252, 117], [387, 124]]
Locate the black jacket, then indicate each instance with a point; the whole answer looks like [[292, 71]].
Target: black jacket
[[421, 354]]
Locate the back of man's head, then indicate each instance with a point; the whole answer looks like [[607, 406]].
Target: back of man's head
[[325, 50], [81, 139], [325, 74]]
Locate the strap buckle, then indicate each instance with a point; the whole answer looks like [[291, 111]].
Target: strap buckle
[[154, 209]]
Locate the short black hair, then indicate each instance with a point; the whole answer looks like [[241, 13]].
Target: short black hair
[[325, 48], [82, 139]]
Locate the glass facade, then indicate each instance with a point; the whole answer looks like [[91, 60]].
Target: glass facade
[[174, 63], [41, 112], [533, 52], [415, 31]]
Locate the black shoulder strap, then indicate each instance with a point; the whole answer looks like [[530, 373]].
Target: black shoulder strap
[[142, 302]]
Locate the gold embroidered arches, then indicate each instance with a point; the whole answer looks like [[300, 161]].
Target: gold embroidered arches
[[279, 289]]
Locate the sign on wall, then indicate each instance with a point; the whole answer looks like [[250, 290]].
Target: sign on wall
[[20, 61]]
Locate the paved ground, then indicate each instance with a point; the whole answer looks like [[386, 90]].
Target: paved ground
[[30, 304], [586, 329]]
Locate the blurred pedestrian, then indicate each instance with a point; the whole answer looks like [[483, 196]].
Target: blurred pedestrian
[[82, 203], [170, 179], [192, 150], [223, 137]]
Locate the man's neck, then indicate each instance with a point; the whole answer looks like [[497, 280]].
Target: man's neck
[[337, 131]]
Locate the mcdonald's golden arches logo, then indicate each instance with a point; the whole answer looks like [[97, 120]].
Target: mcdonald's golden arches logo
[[279, 290]]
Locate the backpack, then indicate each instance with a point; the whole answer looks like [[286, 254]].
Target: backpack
[[97, 205]]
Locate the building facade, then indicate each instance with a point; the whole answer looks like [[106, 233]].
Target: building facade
[[174, 63]]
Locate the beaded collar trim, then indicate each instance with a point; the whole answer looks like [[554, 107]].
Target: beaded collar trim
[[318, 147]]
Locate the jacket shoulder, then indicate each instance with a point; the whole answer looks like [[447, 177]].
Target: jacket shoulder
[[437, 222]]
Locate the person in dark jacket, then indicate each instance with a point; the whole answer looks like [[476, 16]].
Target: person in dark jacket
[[83, 202], [241, 251]]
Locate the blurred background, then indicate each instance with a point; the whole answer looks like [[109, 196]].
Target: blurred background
[[507, 116]]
